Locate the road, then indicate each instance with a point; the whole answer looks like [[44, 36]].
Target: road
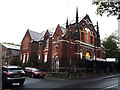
[[99, 83]]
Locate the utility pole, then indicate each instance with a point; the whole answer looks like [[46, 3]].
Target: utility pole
[[95, 43], [119, 28], [119, 34]]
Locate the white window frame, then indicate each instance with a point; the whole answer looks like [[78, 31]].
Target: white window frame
[[27, 57], [24, 56], [81, 55], [39, 56], [45, 58], [88, 30]]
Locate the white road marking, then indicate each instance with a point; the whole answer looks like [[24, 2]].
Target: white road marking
[[110, 87]]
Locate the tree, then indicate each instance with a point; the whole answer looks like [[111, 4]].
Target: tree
[[111, 47], [33, 60], [15, 61], [111, 7]]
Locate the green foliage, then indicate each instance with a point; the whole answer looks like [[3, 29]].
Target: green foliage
[[109, 7], [33, 60], [23, 65], [11, 43], [15, 61], [111, 47]]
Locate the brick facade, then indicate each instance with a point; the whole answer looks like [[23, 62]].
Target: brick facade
[[29, 45], [65, 46], [7, 52]]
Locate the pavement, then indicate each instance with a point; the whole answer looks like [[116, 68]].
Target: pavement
[[103, 82], [110, 76], [100, 77]]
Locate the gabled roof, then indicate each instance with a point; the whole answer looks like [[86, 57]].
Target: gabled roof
[[51, 31], [64, 31], [9, 46], [35, 35]]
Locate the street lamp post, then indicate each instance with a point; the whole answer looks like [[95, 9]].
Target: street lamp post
[[95, 55], [95, 43]]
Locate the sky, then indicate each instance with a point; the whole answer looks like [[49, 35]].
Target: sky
[[16, 16]]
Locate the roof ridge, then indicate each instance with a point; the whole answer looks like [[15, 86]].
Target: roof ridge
[[34, 31]]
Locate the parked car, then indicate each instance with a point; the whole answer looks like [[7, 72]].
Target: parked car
[[13, 74], [33, 72]]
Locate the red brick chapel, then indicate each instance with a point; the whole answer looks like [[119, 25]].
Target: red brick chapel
[[63, 47]]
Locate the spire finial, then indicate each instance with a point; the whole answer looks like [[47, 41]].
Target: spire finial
[[97, 27], [77, 14], [98, 30], [67, 23]]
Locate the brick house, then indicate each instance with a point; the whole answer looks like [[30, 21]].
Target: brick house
[[63, 47], [7, 52], [29, 45]]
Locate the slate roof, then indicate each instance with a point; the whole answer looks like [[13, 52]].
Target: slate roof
[[35, 35], [9, 46], [64, 31], [51, 31], [40, 36]]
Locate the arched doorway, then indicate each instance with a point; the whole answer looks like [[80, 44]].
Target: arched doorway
[[56, 64]]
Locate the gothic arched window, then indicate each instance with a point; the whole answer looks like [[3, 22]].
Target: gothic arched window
[[88, 30], [82, 35], [47, 43]]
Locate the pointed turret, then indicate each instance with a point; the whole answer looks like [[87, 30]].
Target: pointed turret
[[77, 33], [77, 15], [98, 29], [67, 23], [98, 36]]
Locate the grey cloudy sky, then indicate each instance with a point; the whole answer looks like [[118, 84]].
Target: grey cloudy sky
[[16, 16]]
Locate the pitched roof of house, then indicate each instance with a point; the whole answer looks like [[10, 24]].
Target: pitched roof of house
[[9, 46], [40, 36], [51, 31], [64, 31], [35, 35]]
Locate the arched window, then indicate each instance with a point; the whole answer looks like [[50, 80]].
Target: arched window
[[81, 55], [47, 43], [88, 30], [40, 46], [45, 58], [82, 35], [57, 40], [91, 38]]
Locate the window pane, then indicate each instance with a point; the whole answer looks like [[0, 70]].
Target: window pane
[[27, 57], [39, 58], [45, 58], [83, 36], [24, 58], [91, 40], [57, 39], [47, 43]]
